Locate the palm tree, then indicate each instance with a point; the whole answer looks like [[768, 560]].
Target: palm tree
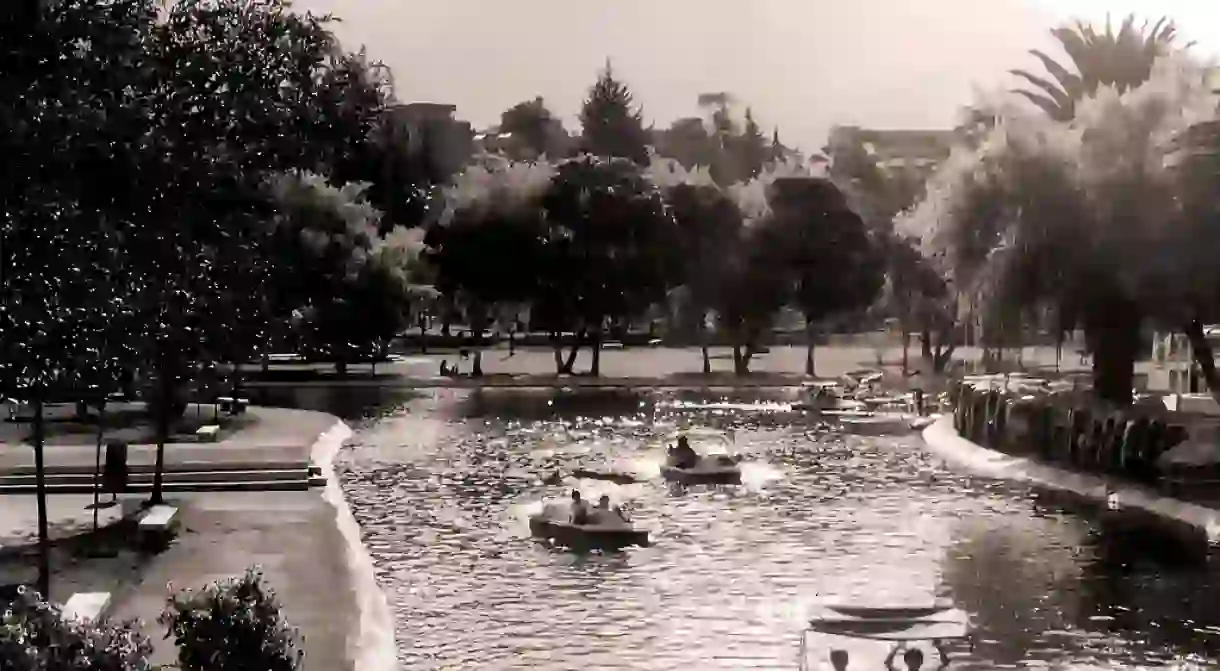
[[1122, 60]]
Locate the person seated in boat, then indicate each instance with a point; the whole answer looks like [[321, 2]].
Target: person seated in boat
[[838, 660], [683, 456], [913, 658], [580, 509]]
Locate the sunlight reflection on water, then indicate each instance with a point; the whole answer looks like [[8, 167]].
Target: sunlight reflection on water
[[443, 488]]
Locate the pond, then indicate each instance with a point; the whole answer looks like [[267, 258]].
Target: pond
[[442, 483]]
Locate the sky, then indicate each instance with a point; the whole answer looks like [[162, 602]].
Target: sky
[[802, 65]]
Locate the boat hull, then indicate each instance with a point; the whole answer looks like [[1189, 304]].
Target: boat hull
[[726, 476], [587, 536]]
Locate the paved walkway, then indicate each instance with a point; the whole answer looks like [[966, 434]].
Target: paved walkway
[[267, 436], [291, 535]]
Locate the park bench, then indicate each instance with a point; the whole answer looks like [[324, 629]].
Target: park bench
[[15, 408], [233, 406], [157, 526], [86, 606], [207, 433]]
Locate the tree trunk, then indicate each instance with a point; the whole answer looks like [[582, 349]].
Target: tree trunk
[[1202, 353], [1112, 333], [341, 368], [477, 369], [707, 359], [97, 456], [925, 345], [742, 352], [423, 334], [570, 363], [40, 478], [557, 350], [906, 350], [810, 344], [163, 414], [596, 368]]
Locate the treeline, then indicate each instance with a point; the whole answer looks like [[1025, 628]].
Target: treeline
[[591, 244]]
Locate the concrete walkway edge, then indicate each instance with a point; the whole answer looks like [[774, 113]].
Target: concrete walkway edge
[[943, 440], [373, 648]]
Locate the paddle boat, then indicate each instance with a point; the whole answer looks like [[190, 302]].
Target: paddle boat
[[604, 530], [607, 476], [714, 466], [898, 626], [825, 396]]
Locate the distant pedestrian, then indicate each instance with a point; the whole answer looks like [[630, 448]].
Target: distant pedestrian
[[839, 659]]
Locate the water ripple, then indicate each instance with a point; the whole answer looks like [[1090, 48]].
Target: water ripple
[[442, 487]]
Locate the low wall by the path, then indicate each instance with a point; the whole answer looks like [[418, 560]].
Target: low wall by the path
[[372, 646], [1202, 523]]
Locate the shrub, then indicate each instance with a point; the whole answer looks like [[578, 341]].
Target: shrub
[[233, 625], [35, 636]]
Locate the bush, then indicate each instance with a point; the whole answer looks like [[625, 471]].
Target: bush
[[234, 625], [34, 636]]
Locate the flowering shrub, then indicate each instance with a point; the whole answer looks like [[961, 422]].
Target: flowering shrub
[[35, 636], [234, 625]]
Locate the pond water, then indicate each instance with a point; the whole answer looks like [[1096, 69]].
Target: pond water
[[442, 483]]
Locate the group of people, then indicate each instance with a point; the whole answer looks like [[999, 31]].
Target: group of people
[[602, 514], [912, 657]]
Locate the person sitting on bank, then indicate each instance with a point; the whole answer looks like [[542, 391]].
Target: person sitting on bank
[[683, 456], [580, 509]]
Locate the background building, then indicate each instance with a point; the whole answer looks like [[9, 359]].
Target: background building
[[432, 129], [915, 153]]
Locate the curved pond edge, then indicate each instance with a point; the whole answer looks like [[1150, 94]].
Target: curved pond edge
[[373, 647], [943, 440]]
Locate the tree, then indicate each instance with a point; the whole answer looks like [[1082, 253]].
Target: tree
[[534, 129], [917, 295], [494, 228], [836, 265], [708, 226], [1123, 61], [754, 287], [605, 252], [612, 125], [751, 148], [351, 284], [70, 125], [1073, 217]]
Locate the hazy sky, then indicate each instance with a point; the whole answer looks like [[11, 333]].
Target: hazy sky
[[801, 64]]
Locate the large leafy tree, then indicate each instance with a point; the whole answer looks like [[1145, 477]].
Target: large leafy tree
[[70, 123], [611, 123], [1076, 217], [708, 227], [606, 248], [535, 130], [1121, 60], [836, 264], [493, 231]]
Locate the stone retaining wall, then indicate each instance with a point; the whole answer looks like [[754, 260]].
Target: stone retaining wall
[[1070, 431]]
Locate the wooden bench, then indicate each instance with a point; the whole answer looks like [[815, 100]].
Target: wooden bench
[[157, 526], [86, 606], [207, 433], [233, 406]]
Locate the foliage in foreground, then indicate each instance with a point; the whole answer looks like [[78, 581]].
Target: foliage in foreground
[[34, 636], [233, 625]]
